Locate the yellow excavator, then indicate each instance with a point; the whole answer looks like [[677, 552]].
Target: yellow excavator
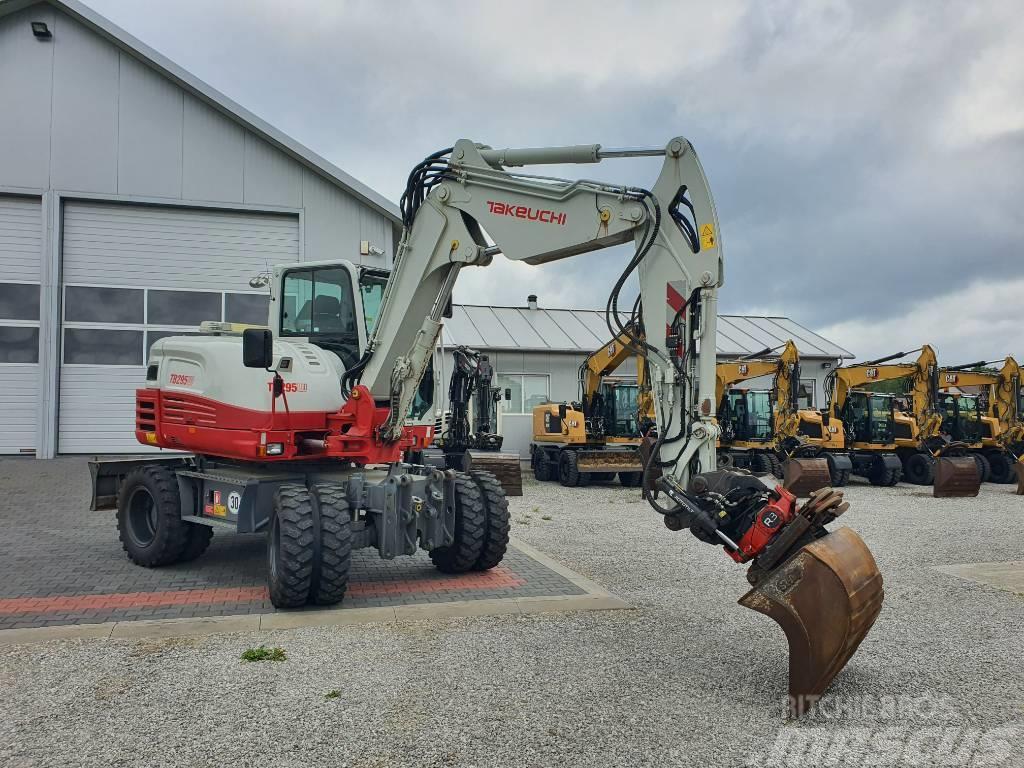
[[991, 419], [761, 427], [599, 436], [886, 445]]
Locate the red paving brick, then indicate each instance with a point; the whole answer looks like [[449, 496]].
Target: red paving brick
[[498, 578]]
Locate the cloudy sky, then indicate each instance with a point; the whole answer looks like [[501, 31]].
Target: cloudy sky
[[867, 158]]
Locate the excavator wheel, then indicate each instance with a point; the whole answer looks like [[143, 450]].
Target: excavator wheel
[[919, 469], [569, 473], [840, 477], [1001, 468], [777, 468], [541, 469], [630, 479], [761, 464], [884, 476], [984, 468], [826, 597]]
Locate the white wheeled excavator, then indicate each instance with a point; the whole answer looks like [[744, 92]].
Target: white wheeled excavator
[[300, 429]]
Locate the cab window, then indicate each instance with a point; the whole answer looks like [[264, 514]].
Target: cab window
[[371, 289], [318, 302]]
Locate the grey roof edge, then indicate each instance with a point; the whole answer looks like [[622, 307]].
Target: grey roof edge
[[210, 95]]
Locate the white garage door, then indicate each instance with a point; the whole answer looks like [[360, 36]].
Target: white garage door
[[20, 257], [132, 274]]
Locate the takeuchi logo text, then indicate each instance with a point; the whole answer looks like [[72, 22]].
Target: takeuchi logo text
[[543, 215]]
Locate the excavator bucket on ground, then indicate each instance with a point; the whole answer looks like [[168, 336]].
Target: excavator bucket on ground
[[1019, 467], [504, 466], [802, 476], [825, 598], [956, 476]]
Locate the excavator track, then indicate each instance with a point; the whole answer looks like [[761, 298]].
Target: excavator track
[[824, 590]]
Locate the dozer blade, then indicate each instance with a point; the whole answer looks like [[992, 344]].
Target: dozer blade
[[801, 476], [956, 476], [504, 466], [609, 460], [825, 598]]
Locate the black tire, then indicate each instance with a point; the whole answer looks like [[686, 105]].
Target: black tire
[[761, 464], [839, 477], [541, 467], [497, 528], [777, 469], [569, 474], [290, 545], [470, 529], [1001, 468], [149, 522], [631, 479], [919, 469], [197, 539], [601, 477], [330, 573], [984, 467], [884, 477]]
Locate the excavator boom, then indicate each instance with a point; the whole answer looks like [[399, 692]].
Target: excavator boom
[[465, 205]]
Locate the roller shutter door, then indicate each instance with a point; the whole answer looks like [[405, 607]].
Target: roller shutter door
[[132, 274], [21, 243]]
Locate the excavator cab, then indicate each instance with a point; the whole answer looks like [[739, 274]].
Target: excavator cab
[[869, 417], [619, 410], [961, 417], [749, 415]]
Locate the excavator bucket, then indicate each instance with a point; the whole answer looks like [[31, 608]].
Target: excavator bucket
[[504, 466], [956, 476], [825, 598], [801, 476], [1019, 466]]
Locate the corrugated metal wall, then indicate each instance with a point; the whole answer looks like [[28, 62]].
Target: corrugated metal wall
[[88, 117], [186, 261], [20, 250]]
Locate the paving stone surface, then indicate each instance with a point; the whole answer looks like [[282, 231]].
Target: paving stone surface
[[62, 564]]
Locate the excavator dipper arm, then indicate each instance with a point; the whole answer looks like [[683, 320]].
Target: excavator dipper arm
[[463, 206]]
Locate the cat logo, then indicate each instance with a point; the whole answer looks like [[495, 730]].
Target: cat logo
[[951, 378], [743, 368], [871, 373]]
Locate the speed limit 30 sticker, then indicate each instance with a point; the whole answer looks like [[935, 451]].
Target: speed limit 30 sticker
[[234, 502]]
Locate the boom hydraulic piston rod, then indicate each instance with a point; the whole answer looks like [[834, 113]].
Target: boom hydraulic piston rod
[[462, 206]]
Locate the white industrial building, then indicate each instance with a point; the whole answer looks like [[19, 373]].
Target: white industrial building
[[136, 202]]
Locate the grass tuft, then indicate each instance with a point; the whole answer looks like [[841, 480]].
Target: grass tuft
[[262, 653]]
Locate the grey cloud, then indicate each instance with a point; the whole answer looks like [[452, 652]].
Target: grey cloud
[[852, 175]]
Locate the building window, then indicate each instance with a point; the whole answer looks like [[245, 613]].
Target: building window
[[19, 301], [102, 346], [19, 344], [521, 392], [86, 304], [248, 308], [182, 307], [806, 395]]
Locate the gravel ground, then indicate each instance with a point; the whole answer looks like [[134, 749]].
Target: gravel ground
[[685, 678]]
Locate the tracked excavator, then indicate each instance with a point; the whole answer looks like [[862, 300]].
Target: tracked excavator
[[599, 436], [300, 429], [991, 420], [467, 439], [761, 428]]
